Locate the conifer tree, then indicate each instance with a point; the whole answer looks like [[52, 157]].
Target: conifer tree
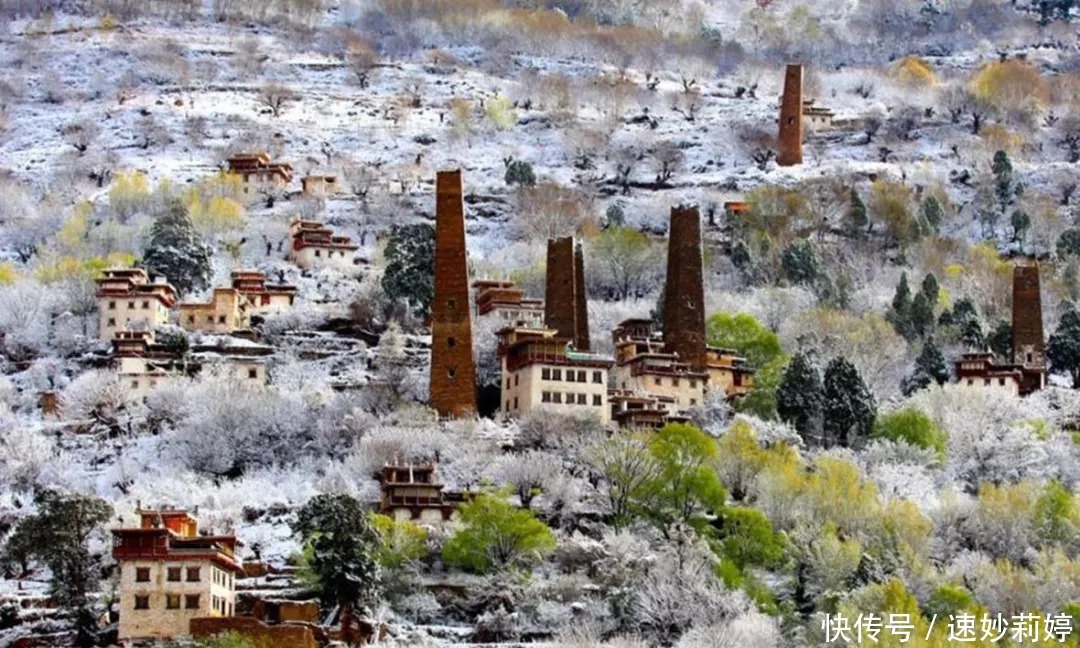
[[1063, 347], [177, 252], [921, 317], [849, 408], [410, 266], [857, 214], [932, 212], [800, 398], [900, 315], [930, 367]]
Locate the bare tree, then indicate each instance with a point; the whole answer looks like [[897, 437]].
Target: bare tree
[[1070, 137], [668, 160], [361, 61], [686, 104], [276, 96], [151, 132], [81, 134], [360, 178]]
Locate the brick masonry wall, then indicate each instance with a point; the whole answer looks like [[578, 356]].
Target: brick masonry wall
[[262, 635], [791, 132], [453, 368], [560, 291], [581, 302], [1027, 324], [684, 291]]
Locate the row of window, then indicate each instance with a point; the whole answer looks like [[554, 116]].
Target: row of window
[[675, 382], [131, 305], [571, 376], [252, 374], [172, 601], [172, 574], [986, 381], [329, 253], [209, 319], [571, 398]]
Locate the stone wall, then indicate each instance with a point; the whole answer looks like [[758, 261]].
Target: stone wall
[[262, 635], [791, 135], [684, 291], [453, 368], [1027, 324]]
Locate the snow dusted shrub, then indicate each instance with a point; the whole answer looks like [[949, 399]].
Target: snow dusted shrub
[[26, 455], [99, 400], [24, 319], [680, 593], [552, 431], [232, 427], [749, 630]]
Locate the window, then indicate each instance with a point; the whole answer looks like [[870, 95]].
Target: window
[[193, 575], [658, 381], [112, 321], [1001, 381], [112, 305], [545, 397], [131, 305], [142, 574], [146, 305], [191, 319], [142, 602], [556, 374], [693, 384], [557, 397], [515, 402], [581, 376], [451, 304], [318, 253], [581, 399], [134, 384], [174, 575], [172, 601], [451, 372], [209, 319], [516, 381], [450, 343], [253, 373], [508, 383], [221, 319], [693, 401], [674, 382], [507, 407], [970, 382], [986, 381], [597, 401], [598, 377], [569, 376], [191, 602], [545, 374]]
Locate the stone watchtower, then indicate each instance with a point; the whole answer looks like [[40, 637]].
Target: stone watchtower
[[1028, 343], [565, 301], [684, 291], [453, 368], [791, 135]]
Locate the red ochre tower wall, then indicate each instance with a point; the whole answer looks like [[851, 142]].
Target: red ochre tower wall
[[453, 367], [791, 132], [684, 290]]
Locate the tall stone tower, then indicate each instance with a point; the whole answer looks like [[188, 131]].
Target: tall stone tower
[[1028, 343], [565, 301], [791, 135], [684, 290], [453, 368]]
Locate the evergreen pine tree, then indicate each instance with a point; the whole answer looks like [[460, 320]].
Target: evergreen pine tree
[[857, 214], [177, 252], [932, 212], [1021, 222], [849, 408], [930, 289], [921, 317], [799, 398], [900, 315], [520, 172], [966, 318], [1004, 184], [930, 367], [1068, 243], [1063, 347], [800, 262], [340, 549], [410, 266], [1000, 340]]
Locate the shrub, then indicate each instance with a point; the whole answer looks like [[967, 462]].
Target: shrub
[[913, 427], [494, 535]]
